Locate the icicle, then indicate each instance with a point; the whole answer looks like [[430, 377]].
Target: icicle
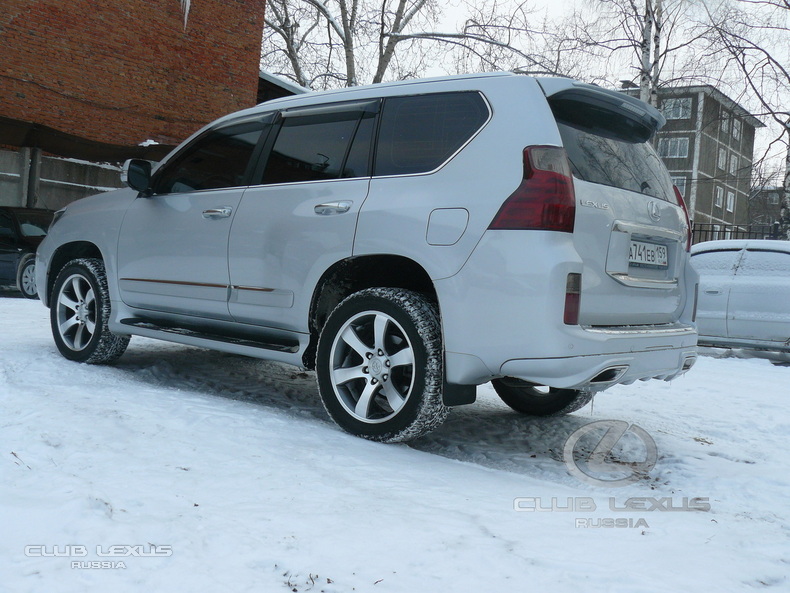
[[185, 5]]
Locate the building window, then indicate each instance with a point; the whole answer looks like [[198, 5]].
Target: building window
[[722, 158], [736, 129], [719, 200], [730, 201], [725, 122], [680, 183], [677, 108], [773, 198], [673, 147], [733, 165], [716, 232]]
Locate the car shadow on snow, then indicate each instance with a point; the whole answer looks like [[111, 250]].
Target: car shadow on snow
[[486, 433], [7, 292]]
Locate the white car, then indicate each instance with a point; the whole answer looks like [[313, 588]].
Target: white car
[[744, 294], [408, 241]]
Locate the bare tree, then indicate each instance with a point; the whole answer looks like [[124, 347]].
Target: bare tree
[[656, 40], [499, 35], [329, 43], [754, 36]]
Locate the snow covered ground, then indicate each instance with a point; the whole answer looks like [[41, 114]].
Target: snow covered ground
[[188, 470]]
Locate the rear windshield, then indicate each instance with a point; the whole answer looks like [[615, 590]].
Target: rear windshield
[[633, 166]]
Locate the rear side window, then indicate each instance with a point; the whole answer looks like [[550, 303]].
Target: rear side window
[[218, 159], [765, 263], [608, 161], [419, 133], [721, 262]]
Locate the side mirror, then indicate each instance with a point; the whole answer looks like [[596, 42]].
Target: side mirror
[[136, 174]]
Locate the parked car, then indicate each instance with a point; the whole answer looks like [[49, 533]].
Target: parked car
[[408, 241], [21, 231], [744, 296]]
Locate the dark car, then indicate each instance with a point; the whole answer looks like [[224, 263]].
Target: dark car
[[21, 231]]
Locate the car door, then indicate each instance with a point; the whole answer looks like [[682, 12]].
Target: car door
[[173, 244], [759, 303], [300, 217], [716, 269]]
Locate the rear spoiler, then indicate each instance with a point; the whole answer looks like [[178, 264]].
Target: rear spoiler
[[602, 111]]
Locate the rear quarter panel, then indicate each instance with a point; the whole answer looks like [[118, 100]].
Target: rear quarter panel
[[395, 217]]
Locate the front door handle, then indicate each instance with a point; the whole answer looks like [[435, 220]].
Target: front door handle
[[223, 212], [330, 208], [712, 291]]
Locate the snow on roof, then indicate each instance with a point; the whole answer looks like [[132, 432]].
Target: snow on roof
[[283, 83]]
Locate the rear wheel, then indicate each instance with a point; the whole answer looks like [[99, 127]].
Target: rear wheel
[[379, 365], [79, 312], [26, 276], [536, 400]]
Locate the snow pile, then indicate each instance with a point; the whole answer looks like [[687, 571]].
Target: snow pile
[[180, 469]]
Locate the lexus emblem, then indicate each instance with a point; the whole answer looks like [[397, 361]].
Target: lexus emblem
[[654, 211]]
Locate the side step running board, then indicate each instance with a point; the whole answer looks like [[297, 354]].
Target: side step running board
[[264, 343]]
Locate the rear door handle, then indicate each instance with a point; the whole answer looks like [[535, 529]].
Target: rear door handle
[[712, 291], [223, 212], [330, 208]]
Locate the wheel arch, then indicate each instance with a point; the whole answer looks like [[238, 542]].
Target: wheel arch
[[358, 273], [63, 255]]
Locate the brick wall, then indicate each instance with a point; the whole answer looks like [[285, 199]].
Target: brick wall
[[124, 71]]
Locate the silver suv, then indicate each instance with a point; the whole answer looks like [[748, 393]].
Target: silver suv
[[408, 241]]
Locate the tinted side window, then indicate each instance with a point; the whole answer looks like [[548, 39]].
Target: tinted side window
[[358, 161], [216, 160], [311, 148], [765, 263], [34, 224], [419, 133], [720, 262]]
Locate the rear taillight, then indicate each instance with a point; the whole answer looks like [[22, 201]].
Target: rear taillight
[[545, 199], [682, 204], [573, 297]]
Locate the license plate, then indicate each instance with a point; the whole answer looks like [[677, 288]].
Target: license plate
[[647, 255]]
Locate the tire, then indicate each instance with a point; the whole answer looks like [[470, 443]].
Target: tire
[[79, 311], [380, 365], [26, 276], [533, 400]]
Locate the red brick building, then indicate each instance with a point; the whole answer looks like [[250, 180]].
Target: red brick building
[[93, 80]]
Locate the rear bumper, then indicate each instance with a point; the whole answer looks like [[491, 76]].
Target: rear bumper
[[599, 372], [621, 358], [502, 315]]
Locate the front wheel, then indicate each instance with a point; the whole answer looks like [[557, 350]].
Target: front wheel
[[26, 276], [79, 312], [535, 400], [379, 365]]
